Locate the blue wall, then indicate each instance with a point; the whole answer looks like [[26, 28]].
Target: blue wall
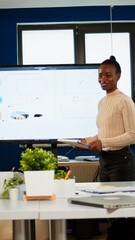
[[10, 17], [10, 154]]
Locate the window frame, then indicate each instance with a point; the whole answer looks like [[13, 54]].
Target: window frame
[[79, 38], [35, 27]]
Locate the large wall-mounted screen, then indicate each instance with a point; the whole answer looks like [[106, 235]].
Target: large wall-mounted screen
[[44, 103]]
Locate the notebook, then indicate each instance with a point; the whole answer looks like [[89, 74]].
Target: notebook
[[108, 201], [74, 143]]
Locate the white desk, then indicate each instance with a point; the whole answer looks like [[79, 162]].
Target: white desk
[[17, 210], [22, 213], [57, 212], [61, 210]]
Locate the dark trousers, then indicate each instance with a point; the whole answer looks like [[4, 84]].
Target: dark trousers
[[117, 165], [122, 229]]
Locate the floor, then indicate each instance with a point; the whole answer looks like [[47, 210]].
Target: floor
[[42, 231]]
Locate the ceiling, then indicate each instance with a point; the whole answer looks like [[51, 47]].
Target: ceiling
[[61, 3]]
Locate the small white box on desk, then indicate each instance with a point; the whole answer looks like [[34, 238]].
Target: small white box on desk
[[64, 188]]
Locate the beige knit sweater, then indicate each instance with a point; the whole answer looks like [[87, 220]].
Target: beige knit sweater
[[115, 121]]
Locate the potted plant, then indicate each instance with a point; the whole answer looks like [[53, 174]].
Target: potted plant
[[11, 186], [39, 167]]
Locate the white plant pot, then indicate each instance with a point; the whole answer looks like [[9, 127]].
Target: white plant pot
[[14, 194], [39, 183]]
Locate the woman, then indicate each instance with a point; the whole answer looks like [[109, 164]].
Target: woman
[[116, 127]]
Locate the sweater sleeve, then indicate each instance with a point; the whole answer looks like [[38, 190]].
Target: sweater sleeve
[[128, 136]]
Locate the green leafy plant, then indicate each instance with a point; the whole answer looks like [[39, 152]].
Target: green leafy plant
[[60, 174], [37, 159], [16, 180]]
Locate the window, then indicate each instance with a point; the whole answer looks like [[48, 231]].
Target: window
[[48, 47], [74, 44], [100, 46]]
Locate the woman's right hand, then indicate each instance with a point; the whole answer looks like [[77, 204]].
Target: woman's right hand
[[81, 149]]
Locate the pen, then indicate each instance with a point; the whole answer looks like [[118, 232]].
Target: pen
[[86, 191], [70, 151], [13, 169], [67, 175], [59, 178]]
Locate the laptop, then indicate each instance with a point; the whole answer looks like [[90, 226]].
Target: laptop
[[108, 201]]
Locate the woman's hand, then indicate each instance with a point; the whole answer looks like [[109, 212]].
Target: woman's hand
[[81, 149], [95, 146], [83, 140]]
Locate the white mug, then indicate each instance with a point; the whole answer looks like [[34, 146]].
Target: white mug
[[14, 194]]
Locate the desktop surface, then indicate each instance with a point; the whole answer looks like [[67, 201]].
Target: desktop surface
[[63, 209], [60, 210]]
